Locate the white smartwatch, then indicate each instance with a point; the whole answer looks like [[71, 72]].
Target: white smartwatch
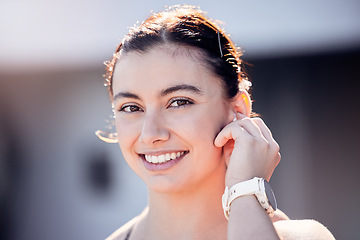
[[256, 186]]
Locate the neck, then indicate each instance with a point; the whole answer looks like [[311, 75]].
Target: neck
[[188, 214]]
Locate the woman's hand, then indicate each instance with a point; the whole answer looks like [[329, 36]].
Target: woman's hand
[[250, 149]]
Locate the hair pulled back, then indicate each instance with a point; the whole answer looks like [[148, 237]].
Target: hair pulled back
[[186, 26]]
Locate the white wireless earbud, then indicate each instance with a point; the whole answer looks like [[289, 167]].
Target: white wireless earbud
[[234, 117]]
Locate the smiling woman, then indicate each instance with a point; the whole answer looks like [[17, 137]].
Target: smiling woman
[[182, 117], [177, 95]]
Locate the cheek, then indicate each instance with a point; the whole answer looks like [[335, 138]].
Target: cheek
[[201, 125], [127, 132]]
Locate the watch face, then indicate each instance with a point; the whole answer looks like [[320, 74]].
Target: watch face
[[270, 195]]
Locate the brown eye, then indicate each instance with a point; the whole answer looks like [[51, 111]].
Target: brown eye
[[130, 109], [180, 102]]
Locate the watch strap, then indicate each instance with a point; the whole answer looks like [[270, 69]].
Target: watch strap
[[249, 187]]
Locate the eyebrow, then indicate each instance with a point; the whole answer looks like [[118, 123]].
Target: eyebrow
[[180, 87], [126, 95]]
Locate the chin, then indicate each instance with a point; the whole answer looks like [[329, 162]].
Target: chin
[[165, 184]]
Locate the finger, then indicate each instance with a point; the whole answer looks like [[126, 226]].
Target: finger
[[238, 128], [263, 128], [251, 127], [230, 131], [239, 115], [274, 146]]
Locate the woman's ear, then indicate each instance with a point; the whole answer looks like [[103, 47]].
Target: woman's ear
[[242, 103]]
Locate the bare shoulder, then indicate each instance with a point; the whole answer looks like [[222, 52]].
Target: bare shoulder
[[123, 231], [302, 229]]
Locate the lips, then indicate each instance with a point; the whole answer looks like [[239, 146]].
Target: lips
[[163, 157], [156, 162]]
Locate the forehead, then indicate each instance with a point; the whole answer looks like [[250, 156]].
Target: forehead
[[162, 66]]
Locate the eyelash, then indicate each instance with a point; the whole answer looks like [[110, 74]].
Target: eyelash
[[124, 107], [186, 101]]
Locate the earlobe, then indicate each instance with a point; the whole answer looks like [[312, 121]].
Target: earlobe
[[242, 103]]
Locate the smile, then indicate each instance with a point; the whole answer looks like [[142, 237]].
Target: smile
[[163, 157]]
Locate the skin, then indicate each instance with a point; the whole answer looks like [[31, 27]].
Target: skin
[[160, 125], [166, 101]]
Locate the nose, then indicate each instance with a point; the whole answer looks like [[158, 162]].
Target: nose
[[153, 129]]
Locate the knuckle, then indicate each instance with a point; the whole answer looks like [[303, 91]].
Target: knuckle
[[275, 146], [257, 119], [278, 158]]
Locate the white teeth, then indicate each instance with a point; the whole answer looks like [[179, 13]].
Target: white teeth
[[163, 157], [154, 159]]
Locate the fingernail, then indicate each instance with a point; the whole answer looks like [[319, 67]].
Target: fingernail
[[240, 115]]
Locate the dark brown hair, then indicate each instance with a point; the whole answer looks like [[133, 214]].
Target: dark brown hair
[[186, 26]]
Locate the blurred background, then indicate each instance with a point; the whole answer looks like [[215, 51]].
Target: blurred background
[[58, 181]]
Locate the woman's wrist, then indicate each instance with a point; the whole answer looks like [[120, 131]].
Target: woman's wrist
[[257, 187], [231, 181], [248, 217]]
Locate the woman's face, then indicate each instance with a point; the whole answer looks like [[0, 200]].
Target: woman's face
[[168, 110]]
